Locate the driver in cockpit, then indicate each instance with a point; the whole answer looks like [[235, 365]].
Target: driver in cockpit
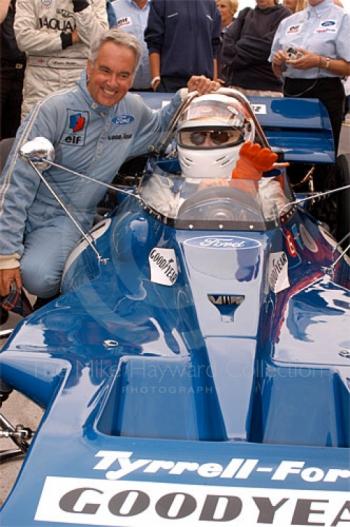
[[215, 140], [215, 147]]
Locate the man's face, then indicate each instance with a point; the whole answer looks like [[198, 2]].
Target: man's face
[[264, 4], [111, 75]]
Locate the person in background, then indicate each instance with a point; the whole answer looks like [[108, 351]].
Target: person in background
[[345, 80], [56, 36], [132, 16], [110, 14], [12, 65], [294, 5], [183, 38], [246, 49], [311, 53], [94, 127], [227, 9]]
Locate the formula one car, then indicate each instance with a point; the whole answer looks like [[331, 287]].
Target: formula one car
[[195, 369]]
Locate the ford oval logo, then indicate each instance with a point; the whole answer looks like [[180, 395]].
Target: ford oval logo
[[123, 119], [222, 242], [328, 23]]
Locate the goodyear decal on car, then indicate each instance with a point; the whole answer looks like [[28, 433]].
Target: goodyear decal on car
[[163, 266], [135, 503], [278, 272]]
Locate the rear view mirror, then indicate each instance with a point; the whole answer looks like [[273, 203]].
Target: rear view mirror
[[38, 151]]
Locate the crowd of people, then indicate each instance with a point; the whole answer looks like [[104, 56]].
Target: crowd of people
[[45, 46], [67, 77]]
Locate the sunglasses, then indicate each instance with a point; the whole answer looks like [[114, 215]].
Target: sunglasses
[[211, 138]]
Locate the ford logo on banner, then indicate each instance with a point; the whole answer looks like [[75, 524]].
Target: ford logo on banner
[[222, 242], [123, 119]]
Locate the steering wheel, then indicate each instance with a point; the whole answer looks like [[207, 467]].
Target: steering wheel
[[220, 204]]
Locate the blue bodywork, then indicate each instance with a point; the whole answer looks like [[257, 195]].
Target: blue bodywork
[[214, 399]]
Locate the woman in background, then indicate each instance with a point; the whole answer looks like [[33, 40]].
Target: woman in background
[[228, 9], [311, 53]]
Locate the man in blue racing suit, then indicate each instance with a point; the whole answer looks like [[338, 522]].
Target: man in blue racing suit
[[94, 127]]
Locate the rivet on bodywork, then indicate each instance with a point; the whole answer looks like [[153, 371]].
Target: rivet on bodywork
[[109, 343]]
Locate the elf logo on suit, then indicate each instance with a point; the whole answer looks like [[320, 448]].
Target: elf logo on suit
[[75, 129], [76, 122]]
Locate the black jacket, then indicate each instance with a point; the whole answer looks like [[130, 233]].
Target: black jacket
[[246, 48], [9, 51], [186, 34]]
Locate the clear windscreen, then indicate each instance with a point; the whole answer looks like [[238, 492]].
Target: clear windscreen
[[208, 203]]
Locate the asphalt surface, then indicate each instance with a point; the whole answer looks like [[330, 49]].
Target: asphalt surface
[[18, 409]]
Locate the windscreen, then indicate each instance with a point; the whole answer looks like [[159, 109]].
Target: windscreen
[[195, 203]]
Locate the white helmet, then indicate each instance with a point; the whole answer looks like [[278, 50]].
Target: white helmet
[[210, 134]]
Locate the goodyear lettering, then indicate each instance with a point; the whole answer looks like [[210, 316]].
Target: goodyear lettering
[[278, 275], [99, 502], [163, 266]]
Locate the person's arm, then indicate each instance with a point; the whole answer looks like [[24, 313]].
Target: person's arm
[[18, 187], [4, 7], [91, 19], [230, 39], [154, 64], [279, 63], [215, 69], [154, 36], [29, 39], [308, 60], [216, 41], [253, 49], [277, 56]]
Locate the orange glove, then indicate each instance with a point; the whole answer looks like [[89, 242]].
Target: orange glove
[[253, 161]]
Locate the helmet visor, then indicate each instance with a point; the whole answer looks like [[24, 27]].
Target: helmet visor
[[207, 138]]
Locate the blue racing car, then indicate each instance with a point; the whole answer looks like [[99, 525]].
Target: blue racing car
[[195, 370]]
